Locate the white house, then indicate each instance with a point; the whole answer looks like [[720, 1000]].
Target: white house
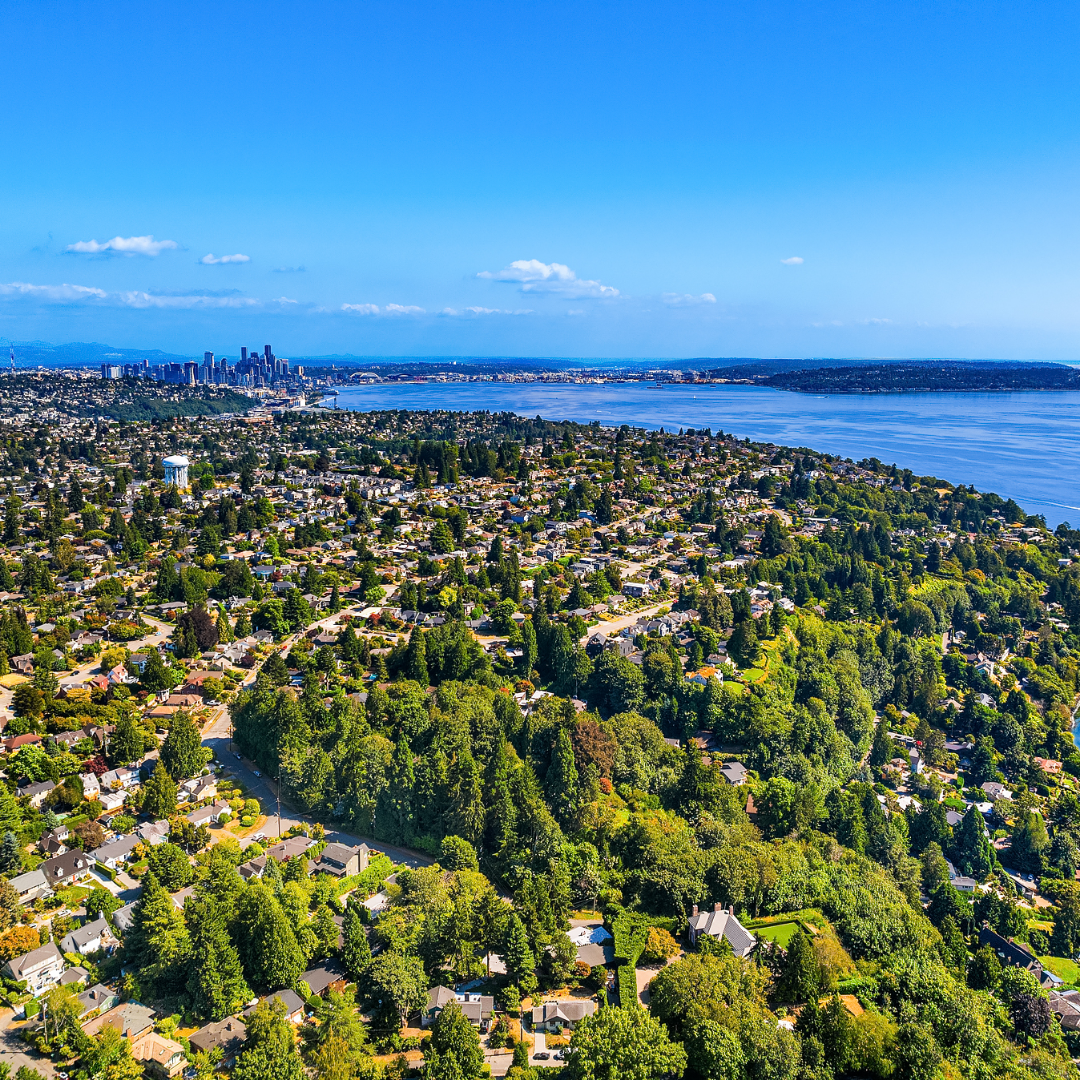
[[41, 968], [88, 938]]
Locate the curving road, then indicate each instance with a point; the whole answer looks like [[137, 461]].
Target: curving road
[[217, 735]]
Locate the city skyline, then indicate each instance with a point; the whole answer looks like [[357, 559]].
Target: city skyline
[[588, 180]]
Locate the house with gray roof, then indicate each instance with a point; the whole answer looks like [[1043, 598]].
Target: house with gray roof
[[88, 938], [124, 918], [63, 869], [40, 968], [228, 1036], [97, 999], [562, 1014], [721, 923], [340, 860], [477, 1008], [116, 852], [30, 886]]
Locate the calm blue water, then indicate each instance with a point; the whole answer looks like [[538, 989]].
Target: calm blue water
[[1023, 446]]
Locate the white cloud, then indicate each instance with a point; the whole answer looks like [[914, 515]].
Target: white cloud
[[284, 300], [215, 260], [56, 293], [795, 260], [478, 311], [386, 309], [687, 299], [139, 299], [123, 245], [535, 276], [133, 298]]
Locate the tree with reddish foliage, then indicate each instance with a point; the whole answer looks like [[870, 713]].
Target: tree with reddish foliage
[[592, 746], [201, 624], [1031, 1015]]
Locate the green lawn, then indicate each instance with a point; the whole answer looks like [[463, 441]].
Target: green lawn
[[73, 895], [781, 933], [1068, 970], [754, 674]]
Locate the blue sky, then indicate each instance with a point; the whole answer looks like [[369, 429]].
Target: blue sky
[[543, 178]]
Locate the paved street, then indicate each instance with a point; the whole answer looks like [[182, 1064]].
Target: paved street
[[216, 735], [13, 1049], [613, 626]]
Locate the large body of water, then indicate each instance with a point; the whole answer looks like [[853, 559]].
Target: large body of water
[[1024, 446]]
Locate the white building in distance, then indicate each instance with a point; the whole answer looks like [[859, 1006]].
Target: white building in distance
[[176, 468]]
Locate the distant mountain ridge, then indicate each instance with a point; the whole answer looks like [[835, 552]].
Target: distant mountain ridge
[[79, 354]]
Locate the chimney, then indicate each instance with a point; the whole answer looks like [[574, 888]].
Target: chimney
[[694, 910], [731, 911], [717, 906]]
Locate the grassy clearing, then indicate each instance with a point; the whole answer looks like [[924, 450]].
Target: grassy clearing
[[781, 933]]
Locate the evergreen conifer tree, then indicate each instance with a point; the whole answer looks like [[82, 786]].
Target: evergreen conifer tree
[[355, 950], [215, 977], [416, 658], [10, 855]]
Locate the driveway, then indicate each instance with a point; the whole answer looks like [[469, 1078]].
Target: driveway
[[13, 1051]]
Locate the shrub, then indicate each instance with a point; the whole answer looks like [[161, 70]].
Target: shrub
[[659, 946]]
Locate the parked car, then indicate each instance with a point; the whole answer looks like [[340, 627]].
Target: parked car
[[542, 1056]]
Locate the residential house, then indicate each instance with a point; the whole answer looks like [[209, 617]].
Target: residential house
[[594, 943], [561, 1015], [290, 848], [116, 852], [209, 815], [1009, 952], [63, 869], [1065, 1005], [228, 1036], [30, 886], [88, 938], [339, 860], [36, 792], [200, 787], [161, 1058], [90, 785], [131, 1019], [120, 676], [722, 924], [477, 1008], [40, 968], [329, 975], [734, 772], [112, 800], [153, 832], [97, 999], [125, 777], [294, 1005], [124, 918]]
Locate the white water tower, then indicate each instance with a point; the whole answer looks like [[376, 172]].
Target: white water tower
[[176, 468]]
